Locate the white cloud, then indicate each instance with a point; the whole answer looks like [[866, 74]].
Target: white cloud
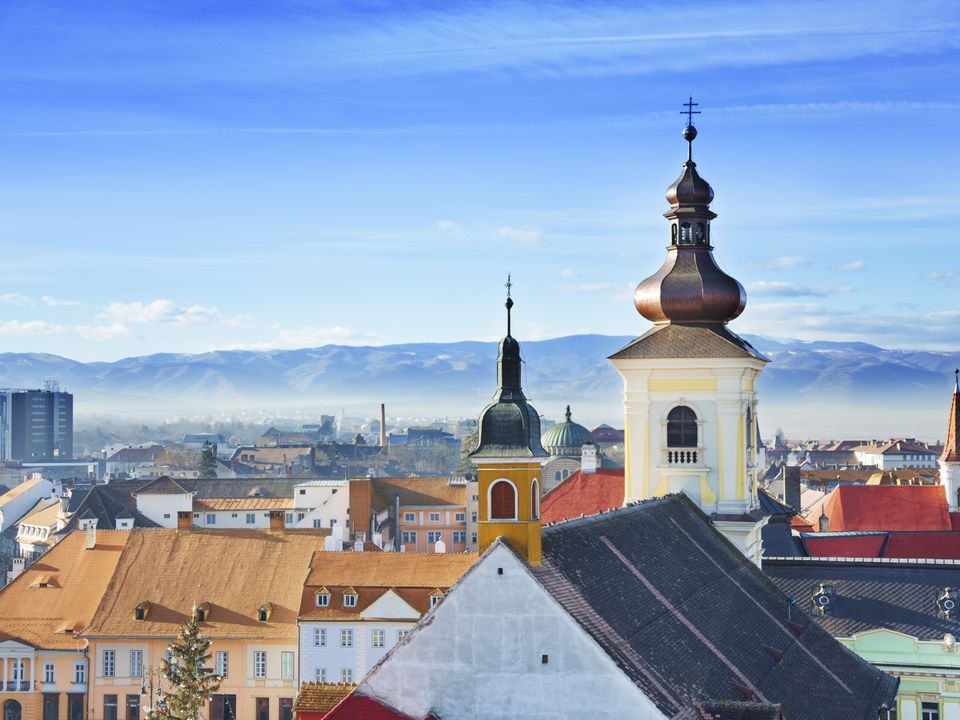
[[102, 332], [16, 298], [451, 228], [566, 272], [853, 266], [29, 327], [589, 287], [787, 262], [528, 236], [947, 278], [54, 302], [161, 312], [776, 288]]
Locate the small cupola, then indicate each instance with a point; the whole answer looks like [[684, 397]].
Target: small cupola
[[264, 612], [824, 599], [141, 611], [947, 603]]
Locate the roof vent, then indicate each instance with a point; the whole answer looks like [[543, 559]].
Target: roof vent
[[948, 603], [824, 599]]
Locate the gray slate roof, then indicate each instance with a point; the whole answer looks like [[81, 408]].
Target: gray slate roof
[[688, 340], [688, 618], [897, 596]]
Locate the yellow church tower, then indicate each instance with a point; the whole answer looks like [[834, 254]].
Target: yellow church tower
[[508, 457]]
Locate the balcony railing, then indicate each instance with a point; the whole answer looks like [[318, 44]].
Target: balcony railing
[[18, 686], [682, 457]]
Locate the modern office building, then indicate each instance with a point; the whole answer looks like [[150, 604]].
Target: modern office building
[[36, 424]]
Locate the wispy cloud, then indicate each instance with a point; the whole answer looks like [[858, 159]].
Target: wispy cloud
[[30, 327], [947, 278], [22, 300], [526, 236], [161, 311], [15, 298], [787, 262], [776, 288], [451, 228], [55, 302], [853, 266], [103, 332], [307, 337]]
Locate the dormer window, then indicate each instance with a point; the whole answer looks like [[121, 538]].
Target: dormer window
[[264, 612], [141, 611], [350, 598], [201, 612], [435, 597], [323, 598]]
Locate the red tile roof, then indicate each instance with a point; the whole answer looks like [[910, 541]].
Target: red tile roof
[[925, 545], [583, 494], [886, 507], [361, 707], [951, 451], [849, 546], [944, 545]]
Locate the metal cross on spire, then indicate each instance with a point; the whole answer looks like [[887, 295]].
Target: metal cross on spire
[[690, 112], [508, 285], [509, 303]]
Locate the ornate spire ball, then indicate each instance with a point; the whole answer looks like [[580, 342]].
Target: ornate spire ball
[[509, 303]]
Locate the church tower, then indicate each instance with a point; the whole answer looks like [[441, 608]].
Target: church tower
[[690, 399], [508, 457], [949, 460]]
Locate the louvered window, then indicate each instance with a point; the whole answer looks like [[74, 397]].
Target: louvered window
[[682, 427], [502, 501]]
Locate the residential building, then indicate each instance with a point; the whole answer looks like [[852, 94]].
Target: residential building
[[277, 461], [244, 587], [126, 461], [44, 663], [896, 454], [899, 616], [36, 424], [690, 382], [17, 502], [358, 605], [36, 531], [855, 508]]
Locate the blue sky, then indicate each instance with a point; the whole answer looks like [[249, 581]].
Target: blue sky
[[186, 176]]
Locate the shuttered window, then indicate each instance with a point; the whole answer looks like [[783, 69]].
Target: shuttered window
[[502, 501]]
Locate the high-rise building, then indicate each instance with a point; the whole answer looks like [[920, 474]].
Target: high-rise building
[[36, 424]]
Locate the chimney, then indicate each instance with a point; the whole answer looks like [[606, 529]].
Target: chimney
[[791, 486], [184, 520], [91, 542], [358, 546], [19, 565], [276, 520], [588, 458], [824, 524], [440, 547], [383, 425]]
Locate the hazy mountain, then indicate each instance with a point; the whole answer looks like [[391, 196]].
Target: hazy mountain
[[811, 388]]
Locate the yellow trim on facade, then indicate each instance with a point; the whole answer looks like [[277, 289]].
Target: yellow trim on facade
[[679, 385], [524, 532], [741, 460], [720, 489], [706, 492], [627, 461]]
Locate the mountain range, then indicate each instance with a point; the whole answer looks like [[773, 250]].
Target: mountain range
[[811, 389]]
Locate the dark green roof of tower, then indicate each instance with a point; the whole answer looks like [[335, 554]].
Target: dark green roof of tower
[[509, 427]]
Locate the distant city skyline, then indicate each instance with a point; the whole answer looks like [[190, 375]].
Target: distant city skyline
[[182, 178]]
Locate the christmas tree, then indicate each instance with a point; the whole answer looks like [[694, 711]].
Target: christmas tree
[[187, 674]]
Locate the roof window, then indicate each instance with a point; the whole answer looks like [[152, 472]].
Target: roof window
[[141, 611], [201, 611], [322, 598], [349, 598], [947, 604], [436, 596], [824, 600], [264, 612]]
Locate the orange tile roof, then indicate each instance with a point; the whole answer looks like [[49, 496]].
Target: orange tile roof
[[419, 492], [412, 576], [244, 503], [235, 571], [885, 507], [78, 579], [321, 697], [583, 494]]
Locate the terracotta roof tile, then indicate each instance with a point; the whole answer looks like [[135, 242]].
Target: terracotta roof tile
[[235, 571], [415, 492], [245, 503], [583, 494], [361, 707], [885, 507], [687, 340], [79, 578], [321, 697]]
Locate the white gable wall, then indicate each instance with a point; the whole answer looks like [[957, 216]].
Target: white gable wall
[[478, 655]]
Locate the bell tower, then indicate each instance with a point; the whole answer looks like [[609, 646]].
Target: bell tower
[[508, 457], [690, 402], [949, 460]]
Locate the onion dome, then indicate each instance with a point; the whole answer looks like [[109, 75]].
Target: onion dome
[[509, 427], [690, 286], [566, 438]]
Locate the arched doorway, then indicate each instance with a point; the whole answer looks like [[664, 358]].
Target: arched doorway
[[11, 710]]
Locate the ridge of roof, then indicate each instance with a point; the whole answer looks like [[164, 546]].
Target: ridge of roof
[[688, 340]]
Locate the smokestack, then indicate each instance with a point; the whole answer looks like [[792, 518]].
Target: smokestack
[[791, 486], [588, 458], [276, 519], [19, 565], [184, 520], [91, 542], [383, 425]]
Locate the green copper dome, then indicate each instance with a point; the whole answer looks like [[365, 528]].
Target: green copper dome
[[566, 438]]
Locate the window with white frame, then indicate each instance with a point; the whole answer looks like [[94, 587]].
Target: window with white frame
[[136, 663], [318, 523], [80, 673], [434, 537], [377, 638], [434, 599], [251, 518], [319, 637], [320, 675], [222, 663], [109, 663], [460, 536], [289, 518], [260, 664], [286, 665], [211, 518], [434, 517], [346, 676], [409, 517], [459, 517], [401, 634], [929, 710], [408, 537], [48, 673], [346, 638], [349, 600], [323, 599]]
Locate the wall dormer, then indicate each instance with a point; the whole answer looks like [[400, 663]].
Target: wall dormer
[[141, 611]]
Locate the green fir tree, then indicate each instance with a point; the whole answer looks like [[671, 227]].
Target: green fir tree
[[188, 676], [208, 462]]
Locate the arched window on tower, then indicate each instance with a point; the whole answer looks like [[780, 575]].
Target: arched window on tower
[[682, 427], [503, 501], [685, 238], [673, 233], [534, 500], [701, 234]]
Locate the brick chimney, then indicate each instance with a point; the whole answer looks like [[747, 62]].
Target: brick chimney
[[276, 520], [19, 564], [184, 520]]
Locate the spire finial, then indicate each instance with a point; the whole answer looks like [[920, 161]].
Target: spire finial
[[509, 302], [568, 413], [956, 383], [690, 132]]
